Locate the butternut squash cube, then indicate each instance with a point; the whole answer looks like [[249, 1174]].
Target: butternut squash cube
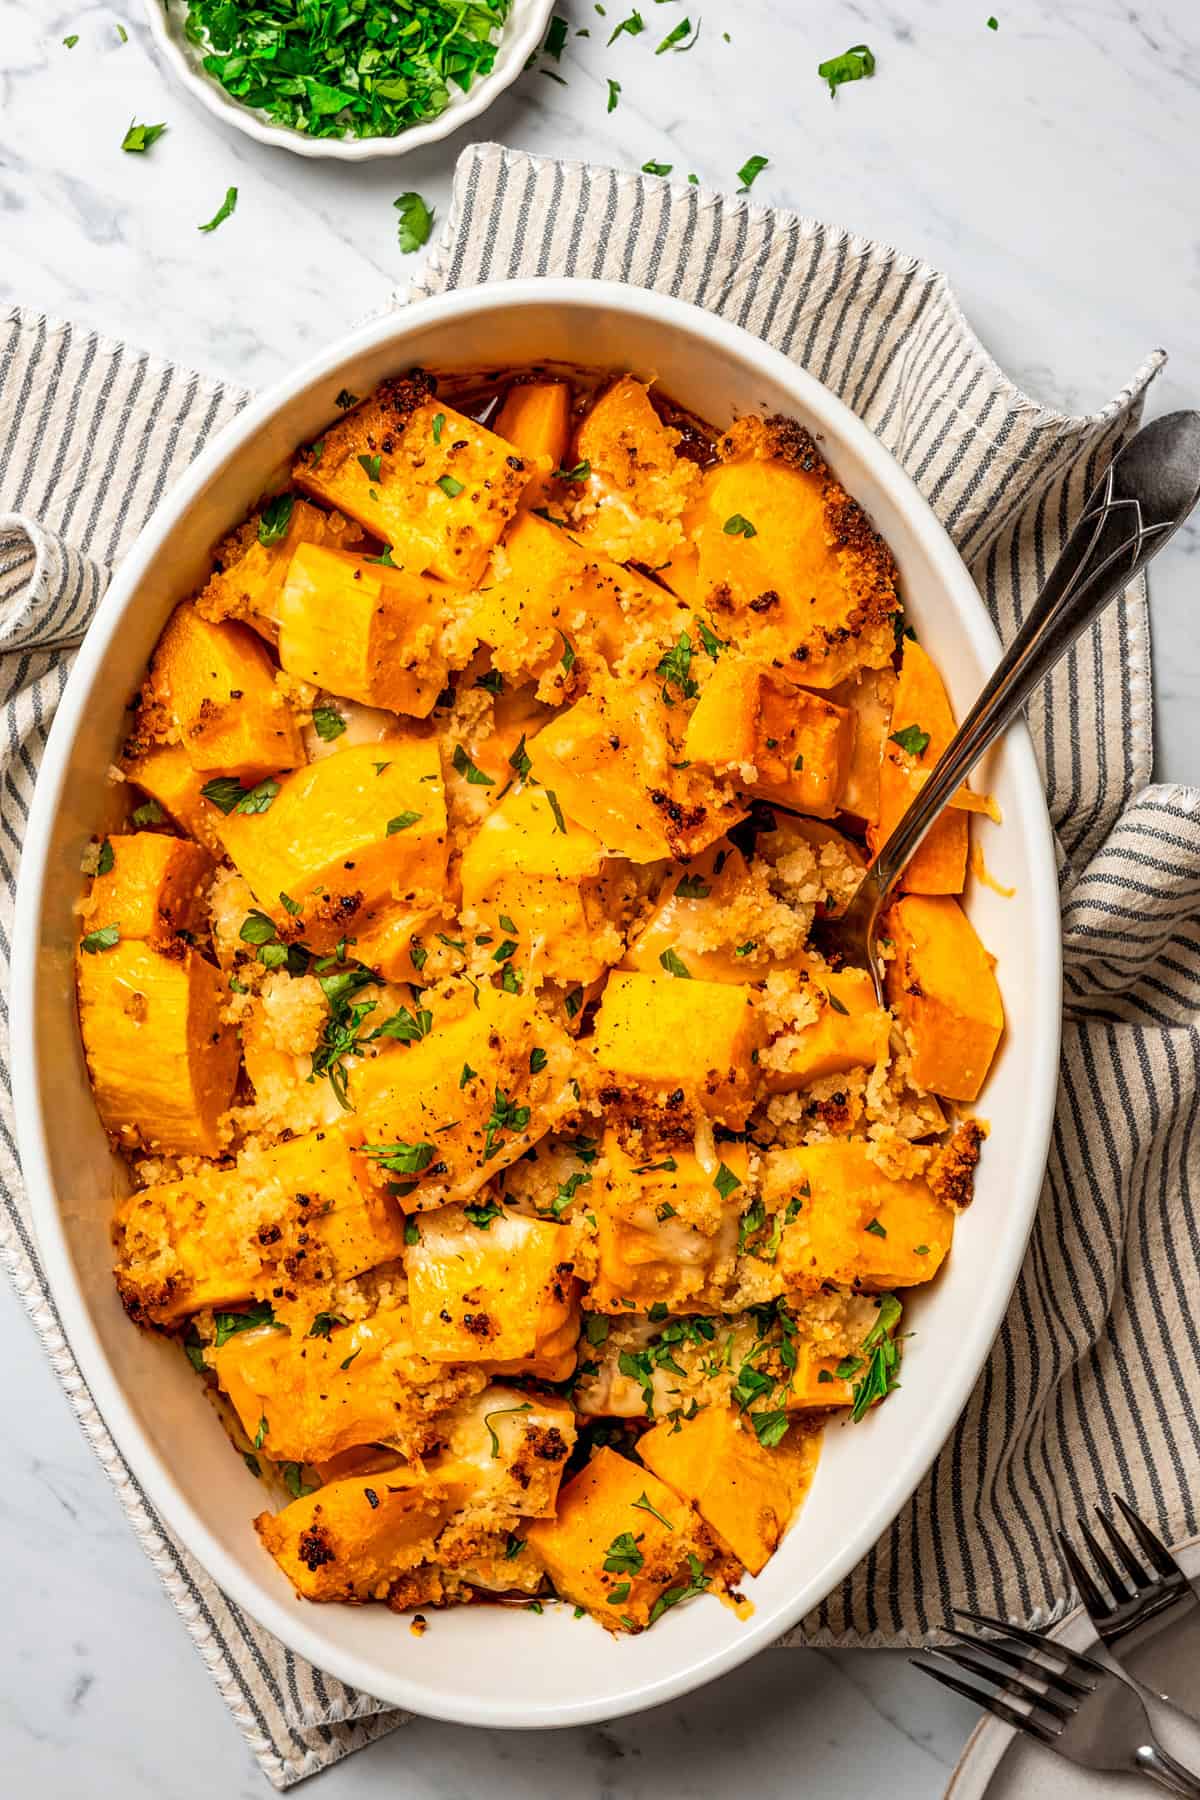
[[797, 743], [638, 485], [292, 1215], [444, 1135], [850, 1031], [165, 773], [536, 608], [248, 575], [509, 1446], [746, 1493], [347, 837], [216, 684], [656, 1034], [431, 483], [536, 419], [788, 564], [850, 1223], [353, 1539], [329, 1389], [921, 710], [667, 1229], [162, 1064], [612, 1555], [363, 631], [156, 888], [816, 1383], [520, 865], [721, 919], [494, 1287], [611, 761], [942, 986]]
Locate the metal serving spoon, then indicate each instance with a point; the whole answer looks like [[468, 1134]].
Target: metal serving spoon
[[1144, 496]]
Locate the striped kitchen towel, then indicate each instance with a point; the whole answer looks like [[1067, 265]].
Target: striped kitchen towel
[[1090, 1384]]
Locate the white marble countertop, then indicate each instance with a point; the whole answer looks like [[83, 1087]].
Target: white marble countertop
[[1050, 167]]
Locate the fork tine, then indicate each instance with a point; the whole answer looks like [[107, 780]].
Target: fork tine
[[1024, 1665], [1010, 1685], [1153, 1546], [1135, 1570], [1081, 1575], [1119, 1588], [1075, 1660], [990, 1702]]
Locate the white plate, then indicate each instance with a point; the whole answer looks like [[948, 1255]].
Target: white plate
[[523, 33], [482, 1665], [1006, 1765]]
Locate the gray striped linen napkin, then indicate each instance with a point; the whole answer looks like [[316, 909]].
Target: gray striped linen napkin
[[1090, 1383]]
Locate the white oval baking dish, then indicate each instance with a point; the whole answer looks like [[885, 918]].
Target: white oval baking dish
[[489, 1665]]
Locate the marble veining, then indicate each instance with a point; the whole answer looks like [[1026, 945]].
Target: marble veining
[[1050, 168]]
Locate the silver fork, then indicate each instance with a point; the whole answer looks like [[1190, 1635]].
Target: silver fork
[[1153, 1596], [1145, 494], [1082, 1711]]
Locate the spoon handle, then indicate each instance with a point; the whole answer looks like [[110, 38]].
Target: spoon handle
[[1143, 496]]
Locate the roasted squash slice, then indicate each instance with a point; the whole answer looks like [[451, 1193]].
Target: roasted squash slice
[[658, 1037], [941, 983], [851, 1222], [216, 685], [156, 889]]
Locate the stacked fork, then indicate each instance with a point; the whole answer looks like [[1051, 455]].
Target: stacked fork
[[1076, 1706]]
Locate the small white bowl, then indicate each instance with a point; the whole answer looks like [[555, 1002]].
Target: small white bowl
[[522, 35], [491, 1665]]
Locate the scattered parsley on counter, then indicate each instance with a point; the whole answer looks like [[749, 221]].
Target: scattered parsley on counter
[[634, 25], [416, 222], [556, 38], [657, 168], [223, 211], [853, 65], [614, 94], [346, 68], [750, 170], [140, 137], [71, 41], [993, 23], [674, 39]]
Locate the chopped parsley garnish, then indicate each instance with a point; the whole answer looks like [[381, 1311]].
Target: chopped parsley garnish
[[560, 824], [882, 1354], [674, 39], [746, 949], [481, 1216], [293, 1476], [505, 1116], [614, 94], [642, 1504], [633, 26], [275, 518], [537, 1061], [566, 1193], [449, 486], [223, 211], [150, 813], [876, 1229], [556, 37], [667, 1166], [401, 1158], [836, 1004], [673, 1595], [415, 223], [921, 1250], [372, 465], [463, 764], [675, 669], [911, 739], [328, 723], [105, 937], [498, 1413], [228, 1324], [346, 70], [140, 137], [345, 399], [657, 168], [353, 1356], [752, 1222], [105, 859], [725, 1181], [468, 1074], [573, 1001], [852, 65], [692, 888], [568, 652], [323, 1323], [623, 1556], [750, 170], [229, 796], [596, 1328], [770, 1427], [737, 525], [439, 425], [513, 1547], [519, 760], [402, 822], [253, 1464], [674, 965], [406, 1027], [412, 1232], [713, 645], [493, 681]]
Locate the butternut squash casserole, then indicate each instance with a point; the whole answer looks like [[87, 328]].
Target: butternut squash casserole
[[523, 1183]]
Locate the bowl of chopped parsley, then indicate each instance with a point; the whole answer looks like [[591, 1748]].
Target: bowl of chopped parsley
[[347, 78]]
